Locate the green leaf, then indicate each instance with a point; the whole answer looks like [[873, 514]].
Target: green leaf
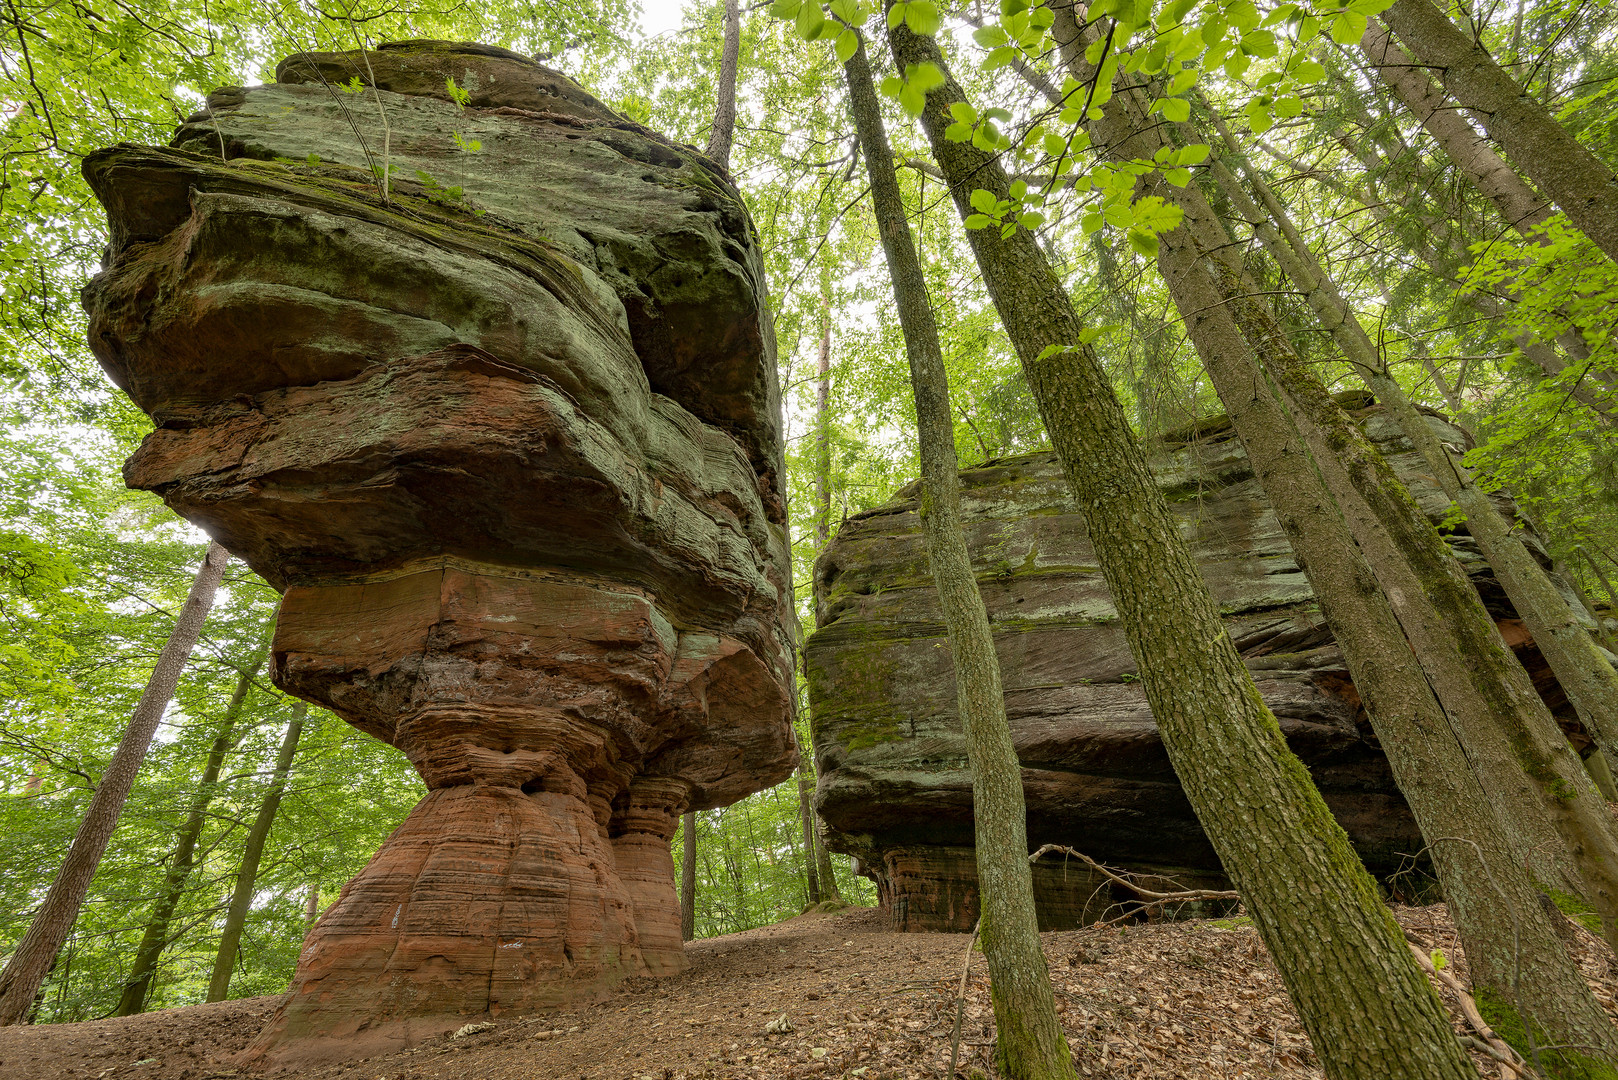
[[891, 86], [848, 43], [1176, 109], [1288, 107], [1049, 351], [1000, 57], [1238, 64], [810, 20], [786, 9], [912, 100], [963, 112], [982, 201], [958, 132], [896, 14], [1258, 118], [925, 77], [1260, 43], [922, 17], [1031, 219], [1440, 961], [1013, 7], [1195, 154], [1308, 71], [1089, 334], [1349, 27], [1119, 215], [978, 221], [1143, 242], [1055, 145], [1092, 223], [1308, 29], [1182, 82], [1178, 177], [1007, 229]]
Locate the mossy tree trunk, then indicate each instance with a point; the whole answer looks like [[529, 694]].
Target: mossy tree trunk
[[1580, 667], [1366, 1005], [1579, 183], [1030, 1044]]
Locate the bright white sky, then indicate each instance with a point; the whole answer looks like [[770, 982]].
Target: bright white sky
[[659, 16]]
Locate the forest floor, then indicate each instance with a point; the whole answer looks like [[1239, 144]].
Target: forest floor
[[1196, 1000]]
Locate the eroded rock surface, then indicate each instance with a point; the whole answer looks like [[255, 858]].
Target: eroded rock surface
[[508, 437], [894, 788]]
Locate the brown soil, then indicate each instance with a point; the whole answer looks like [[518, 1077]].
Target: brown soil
[[1193, 1000]]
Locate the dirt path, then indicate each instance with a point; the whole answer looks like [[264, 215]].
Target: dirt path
[[1194, 1000]]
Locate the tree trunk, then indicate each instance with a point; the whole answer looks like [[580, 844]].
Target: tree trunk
[[241, 899], [1519, 205], [311, 908], [1579, 183], [688, 877], [1580, 667], [1496, 908], [1030, 1044], [806, 811], [37, 950], [156, 937], [724, 115], [1368, 1008]]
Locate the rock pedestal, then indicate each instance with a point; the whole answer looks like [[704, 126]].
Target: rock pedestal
[[507, 435], [894, 788]]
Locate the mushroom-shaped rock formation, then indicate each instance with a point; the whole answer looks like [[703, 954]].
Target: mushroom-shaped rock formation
[[505, 430], [894, 788]]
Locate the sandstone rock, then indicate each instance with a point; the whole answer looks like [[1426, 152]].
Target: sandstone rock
[[512, 453], [894, 789]]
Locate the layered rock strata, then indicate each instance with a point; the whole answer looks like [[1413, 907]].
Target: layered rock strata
[[894, 788], [505, 430]]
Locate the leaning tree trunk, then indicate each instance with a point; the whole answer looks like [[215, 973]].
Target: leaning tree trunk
[[688, 876], [806, 814], [37, 950], [1518, 204], [241, 899], [1030, 1044], [1367, 1006], [1579, 183], [156, 937], [1580, 667], [724, 116], [1519, 966]]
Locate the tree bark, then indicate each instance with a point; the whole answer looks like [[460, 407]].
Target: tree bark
[[1503, 926], [723, 131], [1579, 183], [1030, 1044], [241, 899], [156, 937], [1580, 667], [1518, 204], [1366, 1005], [54, 920], [688, 877]]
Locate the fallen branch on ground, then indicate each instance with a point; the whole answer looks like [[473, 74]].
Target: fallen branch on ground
[[1488, 1040], [1139, 890]]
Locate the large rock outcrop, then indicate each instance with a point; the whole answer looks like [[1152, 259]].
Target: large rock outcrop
[[507, 435], [894, 789]]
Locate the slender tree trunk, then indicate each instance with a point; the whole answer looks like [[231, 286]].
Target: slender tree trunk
[[37, 950], [1519, 205], [241, 899], [156, 937], [1030, 1044], [1579, 183], [1583, 672], [1518, 963], [688, 877], [806, 812], [823, 876], [1368, 1008], [724, 116], [311, 908]]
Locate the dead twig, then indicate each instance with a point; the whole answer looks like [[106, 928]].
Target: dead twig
[[960, 1003], [1488, 1041], [1139, 890]]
